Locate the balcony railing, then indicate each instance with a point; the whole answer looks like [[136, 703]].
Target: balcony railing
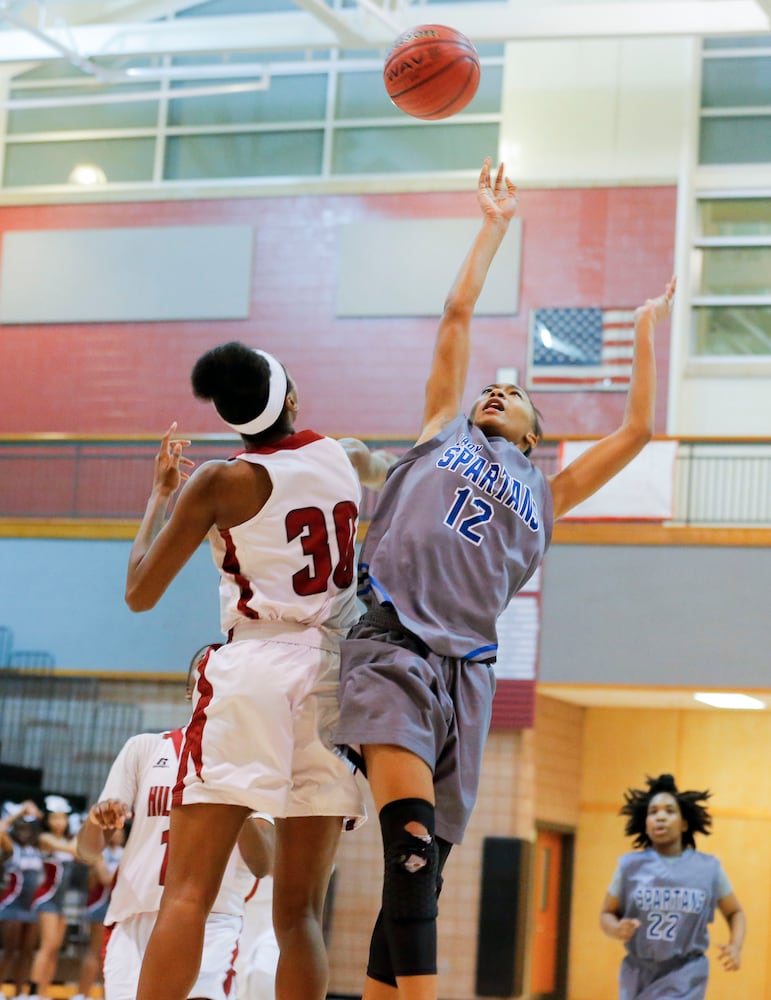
[[717, 482]]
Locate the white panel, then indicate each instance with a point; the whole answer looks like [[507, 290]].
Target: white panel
[[644, 490], [654, 107], [725, 406], [126, 275], [519, 629], [577, 112], [405, 267]]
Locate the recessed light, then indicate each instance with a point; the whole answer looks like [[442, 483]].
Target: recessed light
[[723, 699]]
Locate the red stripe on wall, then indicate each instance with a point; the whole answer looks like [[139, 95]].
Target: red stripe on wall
[[514, 705]]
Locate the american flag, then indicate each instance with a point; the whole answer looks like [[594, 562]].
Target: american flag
[[580, 349]]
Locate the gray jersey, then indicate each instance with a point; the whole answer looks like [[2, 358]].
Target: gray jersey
[[461, 525], [673, 898]]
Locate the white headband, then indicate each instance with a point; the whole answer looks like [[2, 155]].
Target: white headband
[[276, 398], [57, 804]]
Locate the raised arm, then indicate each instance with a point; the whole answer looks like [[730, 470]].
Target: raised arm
[[161, 547], [600, 463], [447, 378], [27, 808]]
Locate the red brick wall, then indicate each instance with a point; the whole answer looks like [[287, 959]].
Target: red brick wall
[[581, 247]]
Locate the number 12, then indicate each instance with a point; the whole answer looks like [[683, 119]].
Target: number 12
[[466, 525]]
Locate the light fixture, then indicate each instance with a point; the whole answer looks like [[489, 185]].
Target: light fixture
[[725, 699], [87, 173]]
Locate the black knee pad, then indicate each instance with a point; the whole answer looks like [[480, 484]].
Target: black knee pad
[[411, 862], [379, 964], [444, 852]]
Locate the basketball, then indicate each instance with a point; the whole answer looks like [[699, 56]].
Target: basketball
[[431, 71]]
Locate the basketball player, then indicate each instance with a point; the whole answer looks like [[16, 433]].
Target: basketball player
[[258, 954], [58, 850], [281, 518], [139, 786], [101, 876], [663, 897], [463, 521], [22, 869]]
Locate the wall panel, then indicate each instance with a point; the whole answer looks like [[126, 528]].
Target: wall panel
[[725, 751], [362, 376]]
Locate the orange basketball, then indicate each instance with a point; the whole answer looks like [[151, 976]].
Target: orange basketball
[[432, 71]]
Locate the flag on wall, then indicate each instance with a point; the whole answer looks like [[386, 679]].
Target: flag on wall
[[586, 348]]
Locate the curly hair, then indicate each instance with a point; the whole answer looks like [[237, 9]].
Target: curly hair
[[637, 800]]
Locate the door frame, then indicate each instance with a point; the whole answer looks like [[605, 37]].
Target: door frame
[[568, 836]]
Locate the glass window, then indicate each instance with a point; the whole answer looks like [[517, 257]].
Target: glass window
[[222, 8], [736, 271], [722, 330], [407, 149], [736, 140], [736, 217], [736, 83], [487, 99], [288, 130], [122, 160], [289, 98], [363, 95], [83, 117], [253, 154], [739, 42]]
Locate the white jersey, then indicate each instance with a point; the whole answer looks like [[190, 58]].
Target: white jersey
[[294, 560], [258, 949], [143, 776]]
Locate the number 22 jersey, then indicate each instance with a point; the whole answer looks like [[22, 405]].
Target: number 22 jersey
[[673, 898]]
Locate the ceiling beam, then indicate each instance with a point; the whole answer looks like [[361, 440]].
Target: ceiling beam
[[482, 22]]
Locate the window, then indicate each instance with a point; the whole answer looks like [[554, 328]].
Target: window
[[736, 101], [731, 315], [732, 301], [230, 117]]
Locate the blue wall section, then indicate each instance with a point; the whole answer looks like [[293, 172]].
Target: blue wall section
[[66, 596]]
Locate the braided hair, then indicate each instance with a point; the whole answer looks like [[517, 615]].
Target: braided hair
[[637, 801]]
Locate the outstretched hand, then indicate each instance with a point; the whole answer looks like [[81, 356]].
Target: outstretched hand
[[498, 199], [661, 307], [729, 957], [169, 474]]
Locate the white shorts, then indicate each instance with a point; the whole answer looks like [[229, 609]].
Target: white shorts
[[258, 952], [127, 941], [261, 732]]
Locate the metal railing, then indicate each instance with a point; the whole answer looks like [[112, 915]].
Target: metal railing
[[717, 482]]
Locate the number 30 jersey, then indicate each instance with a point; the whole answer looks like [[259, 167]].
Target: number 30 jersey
[[294, 560], [143, 776]]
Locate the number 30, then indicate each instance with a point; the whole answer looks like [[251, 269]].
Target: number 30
[[310, 525]]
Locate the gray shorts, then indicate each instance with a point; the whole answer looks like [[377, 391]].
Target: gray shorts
[[680, 979], [395, 690]]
